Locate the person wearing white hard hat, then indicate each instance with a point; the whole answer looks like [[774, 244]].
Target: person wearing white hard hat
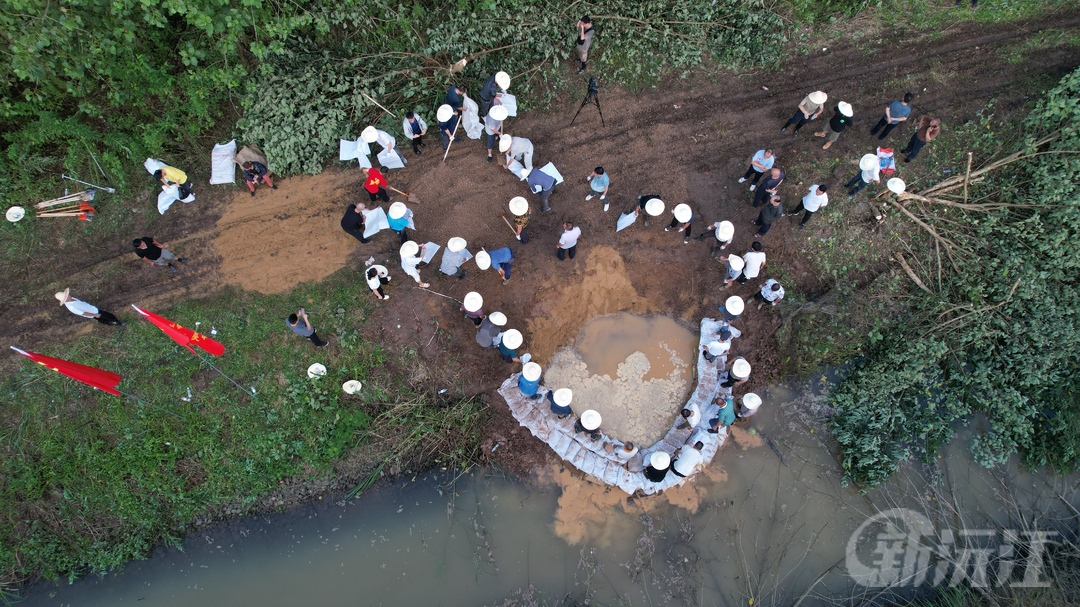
[[375, 184], [688, 459], [659, 464], [651, 204], [869, 172], [929, 129], [769, 185], [809, 108], [841, 119], [816, 198], [584, 41], [722, 231], [81, 308], [488, 331], [519, 208], [414, 128], [748, 406], [896, 112], [733, 265], [732, 308], [491, 92], [529, 380], [377, 276], [473, 307], [682, 220], [370, 134], [493, 122], [541, 184], [454, 257], [771, 292], [599, 183], [568, 241], [737, 374], [448, 121], [560, 402], [725, 416], [398, 217], [500, 259], [516, 148], [589, 423], [754, 260], [772, 211], [760, 163], [412, 255], [508, 342]]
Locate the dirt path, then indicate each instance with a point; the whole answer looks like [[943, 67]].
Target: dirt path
[[687, 140]]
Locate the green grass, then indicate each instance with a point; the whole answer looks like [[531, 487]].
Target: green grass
[[92, 481], [919, 14]]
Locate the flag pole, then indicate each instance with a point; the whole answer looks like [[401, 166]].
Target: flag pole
[[220, 372], [162, 409]]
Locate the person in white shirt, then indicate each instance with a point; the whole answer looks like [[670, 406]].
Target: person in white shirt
[[371, 135], [771, 292], [568, 241], [81, 308], [869, 171], [753, 261], [377, 276], [412, 255], [516, 148], [628, 451], [687, 461], [414, 128], [814, 200], [691, 416]]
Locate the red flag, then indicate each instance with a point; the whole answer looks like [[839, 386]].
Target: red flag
[[91, 376], [183, 335]]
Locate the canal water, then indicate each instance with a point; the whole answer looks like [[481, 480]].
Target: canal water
[[769, 524]]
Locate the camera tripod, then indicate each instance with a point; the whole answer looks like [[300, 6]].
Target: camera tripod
[[592, 95]]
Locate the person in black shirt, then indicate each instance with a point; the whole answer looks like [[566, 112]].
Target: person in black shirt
[[154, 253], [353, 222], [840, 121], [254, 172]]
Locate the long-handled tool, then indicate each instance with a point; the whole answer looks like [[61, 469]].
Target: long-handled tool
[[97, 187], [378, 104], [452, 138], [412, 197], [70, 199], [510, 226]]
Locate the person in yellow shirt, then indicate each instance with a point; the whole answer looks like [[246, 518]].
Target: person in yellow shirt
[[169, 175]]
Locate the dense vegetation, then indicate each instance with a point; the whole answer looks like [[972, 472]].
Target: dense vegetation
[[992, 329]]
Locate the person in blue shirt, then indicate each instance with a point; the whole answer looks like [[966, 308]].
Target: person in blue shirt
[[455, 97], [541, 184], [725, 417], [599, 182], [761, 162], [896, 112], [508, 344], [414, 129], [448, 121], [560, 402], [500, 260], [529, 380]]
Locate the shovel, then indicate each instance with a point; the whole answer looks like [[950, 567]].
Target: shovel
[[412, 197], [452, 138]]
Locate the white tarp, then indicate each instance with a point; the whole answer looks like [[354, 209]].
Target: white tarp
[[374, 221], [515, 168], [222, 167], [470, 119], [391, 160], [550, 169], [430, 249], [348, 150], [169, 194], [153, 166], [625, 220], [510, 103]]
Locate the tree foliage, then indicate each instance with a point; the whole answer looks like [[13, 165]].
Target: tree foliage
[[999, 338]]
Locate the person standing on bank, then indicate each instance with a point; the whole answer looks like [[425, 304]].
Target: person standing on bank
[[398, 217], [929, 129], [353, 221], [529, 380], [809, 108], [493, 122], [304, 329], [412, 255], [659, 464], [768, 215], [840, 121], [814, 200], [414, 128], [771, 292], [722, 231], [455, 98], [500, 259], [491, 92], [584, 41], [514, 148], [651, 204], [599, 182], [519, 207], [869, 171], [489, 329], [560, 402], [371, 134], [377, 276], [541, 184], [749, 405], [81, 308], [896, 112], [734, 265], [769, 185], [508, 344], [454, 256], [754, 260], [155, 253], [473, 307], [254, 172], [375, 184], [568, 241], [761, 161], [448, 121], [682, 221]]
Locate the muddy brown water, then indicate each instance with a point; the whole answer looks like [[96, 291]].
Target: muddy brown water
[[751, 528], [605, 342]]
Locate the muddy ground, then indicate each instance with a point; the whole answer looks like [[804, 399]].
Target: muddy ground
[[687, 140]]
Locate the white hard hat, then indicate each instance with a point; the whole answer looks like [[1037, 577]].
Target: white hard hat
[[896, 185], [316, 370], [531, 371], [483, 260], [444, 113], [497, 318], [868, 162], [751, 401], [654, 207], [502, 79], [736, 262], [590, 420], [734, 305], [504, 141], [716, 348], [845, 108], [563, 396], [397, 210], [682, 212], [519, 206], [525, 175], [660, 460], [409, 249], [818, 97], [740, 369], [369, 134], [725, 231], [352, 386], [512, 339], [456, 244], [15, 214], [498, 112], [473, 301]]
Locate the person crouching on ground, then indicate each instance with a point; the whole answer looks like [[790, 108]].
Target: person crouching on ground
[[254, 172], [376, 277]]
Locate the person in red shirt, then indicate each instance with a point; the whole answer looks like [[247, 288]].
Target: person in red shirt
[[375, 184]]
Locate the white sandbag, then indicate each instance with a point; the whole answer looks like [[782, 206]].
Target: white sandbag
[[348, 150], [391, 159], [153, 166], [625, 220], [430, 249], [374, 221], [550, 169], [470, 119], [222, 165], [510, 103], [515, 168], [169, 194]]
